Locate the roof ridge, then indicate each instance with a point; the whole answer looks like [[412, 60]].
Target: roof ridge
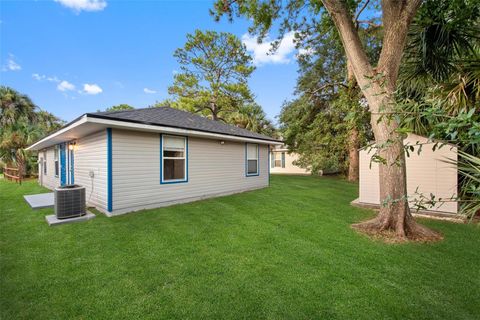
[[128, 110]]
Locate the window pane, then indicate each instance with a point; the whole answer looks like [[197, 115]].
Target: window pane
[[173, 143], [175, 154], [173, 169], [278, 163], [252, 151], [252, 166], [56, 167]]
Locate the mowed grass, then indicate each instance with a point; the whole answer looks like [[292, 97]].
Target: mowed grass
[[284, 252]]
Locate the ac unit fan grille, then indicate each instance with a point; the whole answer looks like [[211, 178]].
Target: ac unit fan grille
[[70, 202]]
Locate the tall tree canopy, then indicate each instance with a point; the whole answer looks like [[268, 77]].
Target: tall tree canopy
[[377, 81], [327, 124], [214, 67], [21, 124], [120, 107]]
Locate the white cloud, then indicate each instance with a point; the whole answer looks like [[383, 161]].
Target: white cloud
[[65, 86], [146, 90], [85, 5], [41, 77], [92, 89], [53, 79], [11, 64], [38, 77], [261, 51]]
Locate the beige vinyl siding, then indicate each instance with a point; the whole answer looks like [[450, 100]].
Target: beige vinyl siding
[[213, 169], [426, 171], [91, 155], [369, 178], [290, 168], [48, 180]]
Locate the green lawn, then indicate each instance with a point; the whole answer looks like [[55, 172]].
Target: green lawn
[[285, 252]]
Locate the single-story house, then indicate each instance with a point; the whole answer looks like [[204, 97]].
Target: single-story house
[[283, 162], [428, 172], [153, 157]]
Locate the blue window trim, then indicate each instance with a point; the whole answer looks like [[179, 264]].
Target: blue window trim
[[246, 160], [109, 171], [63, 165], [161, 159]]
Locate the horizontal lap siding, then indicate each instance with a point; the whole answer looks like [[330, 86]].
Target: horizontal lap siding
[[212, 169], [49, 180], [430, 173], [290, 168], [369, 178], [427, 171], [91, 155]]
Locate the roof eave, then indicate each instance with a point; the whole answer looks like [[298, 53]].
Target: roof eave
[[135, 125]]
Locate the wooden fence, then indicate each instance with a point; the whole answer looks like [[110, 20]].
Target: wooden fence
[[12, 174]]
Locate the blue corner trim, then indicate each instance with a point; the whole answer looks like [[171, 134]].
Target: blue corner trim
[[72, 167], [109, 171], [161, 160], [246, 161]]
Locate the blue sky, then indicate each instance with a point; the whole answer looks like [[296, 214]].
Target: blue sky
[[77, 56]]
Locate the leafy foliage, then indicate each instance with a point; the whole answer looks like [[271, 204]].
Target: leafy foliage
[[120, 107], [330, 110], [22, 123], [214, 71], [252, 117], [440, 92]]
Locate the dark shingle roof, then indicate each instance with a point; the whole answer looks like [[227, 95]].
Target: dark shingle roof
[[169, 117]]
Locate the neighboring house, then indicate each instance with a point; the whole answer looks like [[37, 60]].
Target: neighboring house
[[147, 158], [282, 162], [430, 171]]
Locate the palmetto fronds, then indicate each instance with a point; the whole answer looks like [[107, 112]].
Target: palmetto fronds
[[469, 168]]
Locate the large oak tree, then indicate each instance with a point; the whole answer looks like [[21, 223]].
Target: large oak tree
[[377, 81]]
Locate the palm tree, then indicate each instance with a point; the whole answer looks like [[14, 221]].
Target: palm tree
[[441, 85], [253, 118], [14, 106], [21, 124]]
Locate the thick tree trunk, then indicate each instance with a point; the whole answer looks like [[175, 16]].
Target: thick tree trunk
[[394, 215], [353, 139], [353, 158], [378, 85]]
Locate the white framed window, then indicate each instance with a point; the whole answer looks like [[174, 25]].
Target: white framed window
[[277, 162], [174, 159], [45, 162], [251, 157], [278, 159], [55, 156]]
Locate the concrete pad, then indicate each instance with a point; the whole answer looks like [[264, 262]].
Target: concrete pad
[[40, 201], [53, 221]]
